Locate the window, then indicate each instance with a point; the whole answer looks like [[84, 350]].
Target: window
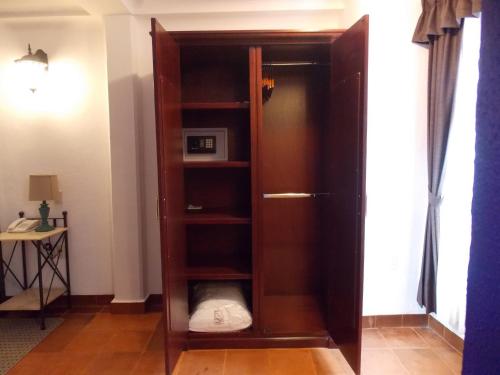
[[455, 223]]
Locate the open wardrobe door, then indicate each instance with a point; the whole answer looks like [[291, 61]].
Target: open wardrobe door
[[167, 78], [344, 152]]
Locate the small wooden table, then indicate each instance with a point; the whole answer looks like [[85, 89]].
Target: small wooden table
[[49, 247]]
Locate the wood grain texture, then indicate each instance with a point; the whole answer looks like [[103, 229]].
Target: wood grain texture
[[293, 314], [215, 105], [219, 189], [215, 74], [255, 80], [255, 37], [217, 218], [166, 64], [302, 253], [290, 161], [216, 164], [345, 145]]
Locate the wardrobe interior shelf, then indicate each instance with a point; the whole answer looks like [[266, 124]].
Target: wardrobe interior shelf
[[216, 218], [216, 164], [226, 271], [216, 105], [229, 335]]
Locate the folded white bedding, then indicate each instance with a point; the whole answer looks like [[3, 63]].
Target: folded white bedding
[[219, 307]]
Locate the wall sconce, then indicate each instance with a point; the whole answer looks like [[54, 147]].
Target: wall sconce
[[33, 67]]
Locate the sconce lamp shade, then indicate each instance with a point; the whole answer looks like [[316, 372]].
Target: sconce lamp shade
[[43, 188], [39, 57], [34, 67]]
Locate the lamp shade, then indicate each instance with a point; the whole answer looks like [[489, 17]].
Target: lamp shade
[[33, 68], [43, 188]]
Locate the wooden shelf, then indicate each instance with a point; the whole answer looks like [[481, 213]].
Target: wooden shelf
[[216, 105], [206, 335], [29, 299], [216, 164], [226, 272], [218, 268], [208, 218]]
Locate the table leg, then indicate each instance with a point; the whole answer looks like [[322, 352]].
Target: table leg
[[66, 252], [25, 277], [40, 283], [2, 276]]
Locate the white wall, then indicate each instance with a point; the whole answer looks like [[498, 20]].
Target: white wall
[[61, 129], [396, 156], [126, 161], [78, 126]]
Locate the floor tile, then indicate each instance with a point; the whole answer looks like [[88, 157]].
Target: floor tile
[[113, 322], [329, 362], [436, 325], [290, 362], [147, 321], [73, 363], [422, 361], [58, 339], [451, 357], [381, 362], [206, 362], [113, 364], [103, 343], [372, 338], [432, 338], [89, 341], [128, 342], [150, 363], [77, 318], [247, 362], [454, 340], [402, 338], [35, 363], [157, 341]]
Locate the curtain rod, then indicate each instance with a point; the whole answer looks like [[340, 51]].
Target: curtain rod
[[298, 63]]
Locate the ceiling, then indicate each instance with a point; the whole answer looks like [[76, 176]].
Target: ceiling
[[30, 8], [41, 8]]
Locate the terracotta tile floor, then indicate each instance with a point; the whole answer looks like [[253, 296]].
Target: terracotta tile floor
[[101, 343]]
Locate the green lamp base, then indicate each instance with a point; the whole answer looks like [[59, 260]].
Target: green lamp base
[[44, 227], [44, 215]]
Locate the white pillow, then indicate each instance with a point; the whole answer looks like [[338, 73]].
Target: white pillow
[[219, 307]]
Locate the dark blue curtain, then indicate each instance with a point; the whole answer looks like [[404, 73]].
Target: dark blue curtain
[[482, 325]]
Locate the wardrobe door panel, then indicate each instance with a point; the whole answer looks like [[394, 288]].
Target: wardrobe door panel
[[344, 153], [166, 63]]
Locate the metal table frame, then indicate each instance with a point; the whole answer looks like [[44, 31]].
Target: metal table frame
[[48, 254]]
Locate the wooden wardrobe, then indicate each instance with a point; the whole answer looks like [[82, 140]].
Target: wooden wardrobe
[[284, 214]]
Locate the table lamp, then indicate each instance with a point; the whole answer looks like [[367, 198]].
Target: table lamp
[[43, 188]]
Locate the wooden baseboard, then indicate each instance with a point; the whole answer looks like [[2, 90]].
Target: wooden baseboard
[[154, 302], [127, 307], [446, 334], [401, 320], [415, 320]]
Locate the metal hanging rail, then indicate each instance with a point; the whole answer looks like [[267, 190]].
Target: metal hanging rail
[[293, 195], [296, 63]]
